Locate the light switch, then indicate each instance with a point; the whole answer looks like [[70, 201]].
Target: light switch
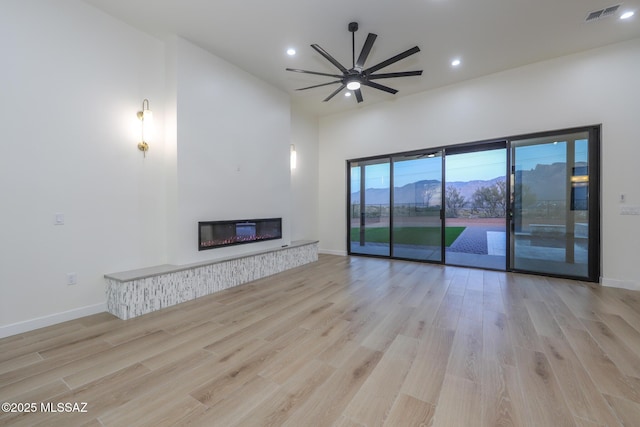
[[58, 219], [629, 210]]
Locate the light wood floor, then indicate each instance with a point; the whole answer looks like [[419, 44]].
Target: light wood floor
[[346, 342]]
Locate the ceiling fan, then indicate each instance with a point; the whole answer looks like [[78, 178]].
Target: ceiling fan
[[357, 76]]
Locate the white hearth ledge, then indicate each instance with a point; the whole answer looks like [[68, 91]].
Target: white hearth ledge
[[137, 292]]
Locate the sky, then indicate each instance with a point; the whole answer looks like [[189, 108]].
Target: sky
[[482, 165]]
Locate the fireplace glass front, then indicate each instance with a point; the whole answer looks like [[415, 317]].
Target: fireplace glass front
[[215, 234]]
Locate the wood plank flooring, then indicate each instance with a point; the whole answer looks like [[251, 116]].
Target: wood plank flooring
[[345, 342]]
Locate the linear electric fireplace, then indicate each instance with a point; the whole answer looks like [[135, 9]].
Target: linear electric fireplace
[[215, 234]]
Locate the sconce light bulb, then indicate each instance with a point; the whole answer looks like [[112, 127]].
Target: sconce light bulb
[[294, 157]]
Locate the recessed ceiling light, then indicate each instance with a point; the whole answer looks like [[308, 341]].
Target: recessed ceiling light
[[626, 15], [347, 94], [291, 51], [455, 62]]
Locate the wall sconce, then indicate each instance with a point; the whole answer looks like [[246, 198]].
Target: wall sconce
[[146, 117], [293, 157]]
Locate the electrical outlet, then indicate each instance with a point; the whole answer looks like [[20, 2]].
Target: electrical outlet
[[72, 278], [58, 219]]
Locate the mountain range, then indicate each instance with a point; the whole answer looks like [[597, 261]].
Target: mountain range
[[546, 182]]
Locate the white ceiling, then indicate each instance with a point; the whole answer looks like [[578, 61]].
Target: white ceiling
[[488, 36]]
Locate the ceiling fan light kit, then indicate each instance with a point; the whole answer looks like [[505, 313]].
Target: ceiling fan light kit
[[353, 85], [357, 76]]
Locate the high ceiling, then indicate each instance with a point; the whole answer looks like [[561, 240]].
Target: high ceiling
[[488, 36]]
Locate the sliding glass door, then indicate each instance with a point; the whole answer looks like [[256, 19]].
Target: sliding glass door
[[555, 210], [476, 201], [527, 204], [416, 232], [369, 208], [395, 207]]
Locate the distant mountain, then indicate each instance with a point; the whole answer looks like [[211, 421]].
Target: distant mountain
[[415, 192], [466, 189], [426, 192], [546, 182]]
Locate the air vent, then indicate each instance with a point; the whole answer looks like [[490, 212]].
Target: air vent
[[602, 13], [610, 11]]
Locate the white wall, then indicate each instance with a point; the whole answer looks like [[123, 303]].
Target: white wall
[[599, 86], [304, 179], [71, 82], [232, 156]]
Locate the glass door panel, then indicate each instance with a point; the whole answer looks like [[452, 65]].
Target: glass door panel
[[417, 204], [476, 201], [369, 210], [550, 187]]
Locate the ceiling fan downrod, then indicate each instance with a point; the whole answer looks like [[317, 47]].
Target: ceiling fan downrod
[[353, 27]]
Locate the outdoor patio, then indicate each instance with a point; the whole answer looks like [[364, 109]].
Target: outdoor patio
[[483, 244]]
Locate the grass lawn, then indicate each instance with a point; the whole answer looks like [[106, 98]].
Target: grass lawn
[[422, 236]]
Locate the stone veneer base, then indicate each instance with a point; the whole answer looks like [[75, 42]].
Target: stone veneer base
[[137, 292]]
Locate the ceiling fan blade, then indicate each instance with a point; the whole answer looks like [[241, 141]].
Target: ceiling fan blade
[[329, 58], [379, 87], [390, 61], [342, 86], [358, 95], [390, 75], [368, 44], [295, 70], [323, 84]]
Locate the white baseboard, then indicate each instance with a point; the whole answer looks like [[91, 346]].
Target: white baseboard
[[332, 252], [624, 284], [52, 319]]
